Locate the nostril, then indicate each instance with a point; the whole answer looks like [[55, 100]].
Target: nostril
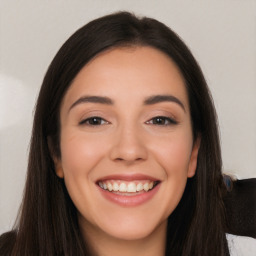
[[127, 159], [128, 150]]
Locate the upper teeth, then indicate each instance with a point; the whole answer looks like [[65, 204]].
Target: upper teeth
[[126, 186]]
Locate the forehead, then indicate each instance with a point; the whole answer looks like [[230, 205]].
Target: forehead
[[128, 72]]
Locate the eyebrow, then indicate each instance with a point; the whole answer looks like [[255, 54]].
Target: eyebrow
[[163, 98], [148, 101], [92, 99]]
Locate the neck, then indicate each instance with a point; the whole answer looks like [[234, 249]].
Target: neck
[[102, 244]]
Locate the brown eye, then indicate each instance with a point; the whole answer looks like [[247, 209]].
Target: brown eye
[[94, 121], [162, 120]]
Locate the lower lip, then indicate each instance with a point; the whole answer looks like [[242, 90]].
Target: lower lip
[[131, 200]]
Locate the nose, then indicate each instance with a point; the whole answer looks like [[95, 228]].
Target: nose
[[128, 146]]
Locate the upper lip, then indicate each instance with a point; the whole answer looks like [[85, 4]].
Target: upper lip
[[128, 177]]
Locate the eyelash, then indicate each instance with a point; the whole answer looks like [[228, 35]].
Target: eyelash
[[158, 120], [167, 121], [93, 119]]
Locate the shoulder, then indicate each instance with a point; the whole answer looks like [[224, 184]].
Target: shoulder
[[7, 241], [241, 245], [240, 206]]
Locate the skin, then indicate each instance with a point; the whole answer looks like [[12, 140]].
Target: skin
[[127, 140]]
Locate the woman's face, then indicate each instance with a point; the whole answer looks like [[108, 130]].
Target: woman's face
[[126, 142]]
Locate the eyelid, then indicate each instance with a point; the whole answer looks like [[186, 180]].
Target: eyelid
[[171, 120], [83, 121]]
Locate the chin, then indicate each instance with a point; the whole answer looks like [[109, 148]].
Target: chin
[[132, 225], [133, 232]]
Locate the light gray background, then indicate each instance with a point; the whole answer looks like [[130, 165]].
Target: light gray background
[[220, 33]]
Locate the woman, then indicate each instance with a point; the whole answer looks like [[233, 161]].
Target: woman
[[125, 155]]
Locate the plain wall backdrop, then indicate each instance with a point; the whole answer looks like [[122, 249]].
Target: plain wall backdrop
[[221, 35]]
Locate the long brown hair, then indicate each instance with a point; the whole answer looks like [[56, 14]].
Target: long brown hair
[[47, 224]]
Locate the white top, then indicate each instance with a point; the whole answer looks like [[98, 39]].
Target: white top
[[241, 245]]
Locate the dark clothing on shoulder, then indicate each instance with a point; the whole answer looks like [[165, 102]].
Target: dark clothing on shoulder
[[240, 206], [7, 241]]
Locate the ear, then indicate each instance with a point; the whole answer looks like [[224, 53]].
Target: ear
[[58, 167], [56, 160], [193, 158]]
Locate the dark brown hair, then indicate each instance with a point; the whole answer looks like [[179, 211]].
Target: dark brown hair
[[47, 224]]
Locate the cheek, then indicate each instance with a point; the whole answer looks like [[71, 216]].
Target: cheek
[[80, 156], [173, 153], [80, 153]]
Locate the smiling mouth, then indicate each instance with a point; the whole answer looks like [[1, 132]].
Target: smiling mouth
[[128, 188]]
